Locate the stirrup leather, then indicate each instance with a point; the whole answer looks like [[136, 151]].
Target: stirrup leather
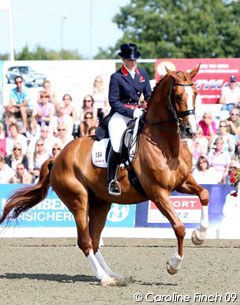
[[114, 188]]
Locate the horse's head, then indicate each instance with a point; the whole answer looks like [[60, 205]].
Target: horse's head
[[183, 97]]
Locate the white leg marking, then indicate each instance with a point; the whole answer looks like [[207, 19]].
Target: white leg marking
[[100, 273], [105, 266]]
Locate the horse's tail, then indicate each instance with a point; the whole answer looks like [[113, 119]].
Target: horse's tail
[[28, 196]]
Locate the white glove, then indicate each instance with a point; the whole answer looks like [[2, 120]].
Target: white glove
[[137, 113]]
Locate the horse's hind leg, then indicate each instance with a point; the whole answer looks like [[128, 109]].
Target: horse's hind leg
[[76, 199], [190, 186], [98, 211]]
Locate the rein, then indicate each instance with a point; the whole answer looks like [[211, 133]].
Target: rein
[[176, 115]]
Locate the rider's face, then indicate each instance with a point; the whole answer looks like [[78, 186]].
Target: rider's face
[[130, 64]]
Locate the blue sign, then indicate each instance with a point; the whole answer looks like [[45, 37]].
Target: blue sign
[[52, 212]]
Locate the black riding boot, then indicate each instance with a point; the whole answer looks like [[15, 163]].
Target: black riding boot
[[113, 163]]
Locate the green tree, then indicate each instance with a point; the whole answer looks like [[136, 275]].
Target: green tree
[[180, 28], [40, 53]]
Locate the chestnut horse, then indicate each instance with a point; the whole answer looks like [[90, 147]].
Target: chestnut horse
[[162, 164]]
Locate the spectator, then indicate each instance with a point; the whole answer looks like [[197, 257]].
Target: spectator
[[236, 156], [56, 149], [47, 138], [100, 105], [44, 110], [22, 175], [3, 140], [203, 173], [208, 125], [63, 136], [36, 159], [69, 108], [230, 96], [61, 117], [220, 160], [233, 121], [86, 124], [228, 139], [15, 137], [33, 130], [199, 146], [18, 103], [16, 157], [88, 103], [47, 87], [6, 172]]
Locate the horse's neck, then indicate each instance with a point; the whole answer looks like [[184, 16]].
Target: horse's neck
[[158, 109], [161, 127]]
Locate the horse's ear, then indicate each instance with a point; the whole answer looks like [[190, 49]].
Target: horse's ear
[[170, 72], [194, 71]]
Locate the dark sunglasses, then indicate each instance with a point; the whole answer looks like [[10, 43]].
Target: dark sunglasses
[[18, 82], [15, 148], [56, 149], [59, 129]]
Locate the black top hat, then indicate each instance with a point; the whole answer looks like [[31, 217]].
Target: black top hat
[[233, 78], [129, 51]]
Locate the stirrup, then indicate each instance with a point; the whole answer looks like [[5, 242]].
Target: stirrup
[[114, 188]]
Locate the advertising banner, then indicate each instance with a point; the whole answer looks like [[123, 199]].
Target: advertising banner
[[222, 207], [213, 75], [52, 212]]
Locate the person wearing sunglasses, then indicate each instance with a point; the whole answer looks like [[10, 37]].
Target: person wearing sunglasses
[[56, 149], [22, 175], [63, 137], [19, 102], [86, 124], [229, 141], [233, 121], [17, 156]]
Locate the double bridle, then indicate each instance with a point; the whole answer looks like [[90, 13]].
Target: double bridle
[[177, 116]]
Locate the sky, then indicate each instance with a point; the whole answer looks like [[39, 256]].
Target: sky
[[82, 25]]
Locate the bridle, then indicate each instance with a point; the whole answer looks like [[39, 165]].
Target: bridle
[[177, 115]]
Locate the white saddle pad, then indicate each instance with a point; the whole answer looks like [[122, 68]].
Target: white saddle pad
[[99, 153], [99, 149]]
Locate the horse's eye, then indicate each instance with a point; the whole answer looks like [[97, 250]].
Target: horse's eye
[[179, 96]]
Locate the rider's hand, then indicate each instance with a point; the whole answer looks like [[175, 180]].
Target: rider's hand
[[137, 113]]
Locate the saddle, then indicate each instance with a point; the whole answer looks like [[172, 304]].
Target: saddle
[[102, 145]]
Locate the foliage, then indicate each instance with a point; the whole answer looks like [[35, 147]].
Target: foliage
[[180, 29], [41, 53], [167, 29]]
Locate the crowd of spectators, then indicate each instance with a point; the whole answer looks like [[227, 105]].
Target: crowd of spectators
[[31, 131], [216, 146], [30, 135]]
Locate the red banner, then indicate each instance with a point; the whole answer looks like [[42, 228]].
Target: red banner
[[214, 74]]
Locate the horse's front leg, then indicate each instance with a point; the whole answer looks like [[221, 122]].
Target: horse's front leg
[[190, 186], [162, 201]]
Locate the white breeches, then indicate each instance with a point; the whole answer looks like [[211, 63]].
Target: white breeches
[[116, 127]]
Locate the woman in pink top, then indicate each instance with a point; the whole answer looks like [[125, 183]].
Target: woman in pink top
[[208, 125]]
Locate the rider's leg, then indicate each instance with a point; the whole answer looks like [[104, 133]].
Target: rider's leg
[[116, 127], [113, 164]]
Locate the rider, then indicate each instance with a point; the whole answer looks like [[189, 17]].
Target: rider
[[125, 88]]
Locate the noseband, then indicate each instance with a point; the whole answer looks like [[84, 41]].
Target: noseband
[[182, 114], [177, 116]]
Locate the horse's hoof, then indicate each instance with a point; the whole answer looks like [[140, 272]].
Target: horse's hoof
[[120, 282], [196, 240], [170, 269], [108, 281]]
